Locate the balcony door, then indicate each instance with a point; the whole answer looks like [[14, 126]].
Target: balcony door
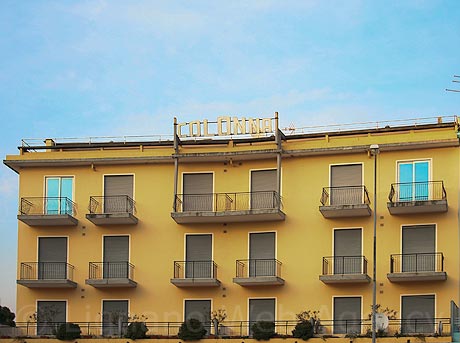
[[263, 189], [197, 192], [347, 315], [52, 258], [347, 251], [261, 310], [117, 189], [200, 310], [413, 178], [262, 254], [198, 256], [418, 248], [49, 315], [116, 257], [346, 184], [58, 190], [114, 317], [417, 314]]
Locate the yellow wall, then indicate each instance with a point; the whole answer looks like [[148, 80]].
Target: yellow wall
[[302, 239]]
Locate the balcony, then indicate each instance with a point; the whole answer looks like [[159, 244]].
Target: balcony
[[46, 275], [47, 211], [112, 210], [228, 207], [344, 269], [195, 274], [417, 267], [346, 201], [258, 272], [111, 275], [417, 197]]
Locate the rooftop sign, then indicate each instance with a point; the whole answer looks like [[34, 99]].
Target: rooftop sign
[[225, 126]]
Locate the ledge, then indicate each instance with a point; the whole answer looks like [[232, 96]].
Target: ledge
[[50, 283], [112, 218], [417, 207], [260, 215], [111, 283], [345, 278], [48, 219], [190, 282], [343, 211], [259, 281], [417, 276]]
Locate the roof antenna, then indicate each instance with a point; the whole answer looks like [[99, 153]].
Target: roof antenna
[[456, 81]]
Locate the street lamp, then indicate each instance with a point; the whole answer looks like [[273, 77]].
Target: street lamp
[[374, 151]]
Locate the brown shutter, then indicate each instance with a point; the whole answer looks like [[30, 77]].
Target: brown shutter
[[263, 184], [343, 178], [197, 189]]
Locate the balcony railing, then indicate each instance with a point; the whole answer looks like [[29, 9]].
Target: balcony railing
[[417, 263], [46, 271], [111, 270], [111, 204], [47, 206], [195, 270], [417, 191], [258, 267], [345, 195], [226, 202], [333, 265]]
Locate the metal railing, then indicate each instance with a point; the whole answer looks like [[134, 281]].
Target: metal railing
[[46, 271], [417, 191], [225, 202], [240, 329], [418, 262], [345, 195], [344, 265], [111, 270], [195, 270], [258, 267], [111, 204], [47, 206]]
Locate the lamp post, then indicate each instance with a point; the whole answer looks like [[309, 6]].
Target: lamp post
[[374, 151]]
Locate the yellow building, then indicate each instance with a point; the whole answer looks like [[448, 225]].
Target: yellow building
[[239, 215]]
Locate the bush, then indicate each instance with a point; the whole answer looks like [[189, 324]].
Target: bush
[[136, 330], [191, 330], [303, 330], [263, 330], [6, 316], [68, 331]]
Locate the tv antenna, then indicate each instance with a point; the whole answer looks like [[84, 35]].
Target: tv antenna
[[455, 81]]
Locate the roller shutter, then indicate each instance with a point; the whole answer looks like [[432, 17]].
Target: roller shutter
[[261, 310], [52, 258], [418, 314], [347, 251], [347, 315], [262, 254], [263, 186], [342, 178], [116, 256], [115, 186], [418, 248], [113, 313], [198, 256], [49, 313], [197, 189], [199, 309]]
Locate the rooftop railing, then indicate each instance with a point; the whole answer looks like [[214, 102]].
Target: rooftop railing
[[111, 204], [47, 206], [417, 191], [344, 195]]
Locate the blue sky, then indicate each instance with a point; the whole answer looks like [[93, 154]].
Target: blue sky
[[101, 68]]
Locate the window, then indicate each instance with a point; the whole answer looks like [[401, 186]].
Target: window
[[417, 314], [52, 258], [118, 193], [347, 251], [59, 195], [413, 177], [263, 189], [261, 310], [49, 313], [198, 251], [197, 189], [113, 313], [116, 256], [347, 315], [199, 309], [418, 248], [346, 184], [262, 254]]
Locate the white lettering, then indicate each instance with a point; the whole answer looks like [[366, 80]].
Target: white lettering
[[220, 126], [239, 126]]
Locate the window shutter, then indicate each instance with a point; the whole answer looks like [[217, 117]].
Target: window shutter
[[49, 313], [262, 254], [199, 309], [197, 189], [418, 314], [263, 184], [347, 315], [112, 310], [118, 185], [347, 251], [52, 258], [199, 248], [346, 175], [261, 310], [116, 257]]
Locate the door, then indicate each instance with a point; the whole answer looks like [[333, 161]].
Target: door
[[52, 258], [347, 315], [197, 192], [262, 254], [114, 317], [346, 184], [50, 314], [200, 310], [418, 248], [347, 251], [263, 189], [116, 257], [413, 179], [261, 310], [59, 195], [118, 193], [417, 314], [198, 257]]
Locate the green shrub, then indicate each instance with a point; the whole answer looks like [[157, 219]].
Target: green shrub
[[303, 330], [263, 330], [6, 316], [191, 330], [68, 331], [136, 330]]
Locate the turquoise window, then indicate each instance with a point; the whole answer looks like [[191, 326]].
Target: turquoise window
[[59, 195], [413, 181]]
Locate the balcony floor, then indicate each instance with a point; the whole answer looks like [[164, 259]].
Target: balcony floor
[[190, 282], [417, 207], [345, 278], [259, 281], [48, 219], [260, 215], [48, 283], [112, 218], [111, 283], [344, 211], [417, 276]]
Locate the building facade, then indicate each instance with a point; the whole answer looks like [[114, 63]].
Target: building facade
[[263, 223]]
